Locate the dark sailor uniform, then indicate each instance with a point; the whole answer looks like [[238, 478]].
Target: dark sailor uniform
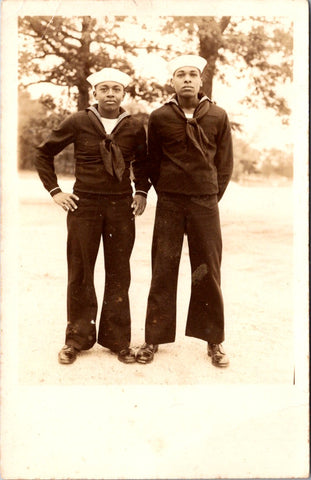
[[190, 165], [103, 185]]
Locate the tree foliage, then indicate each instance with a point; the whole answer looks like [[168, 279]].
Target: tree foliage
[[258, 47], [267, 163], [35, 121], [65, 50]]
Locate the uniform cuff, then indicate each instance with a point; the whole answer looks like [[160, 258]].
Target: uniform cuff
[[54, 191], [141, 192]]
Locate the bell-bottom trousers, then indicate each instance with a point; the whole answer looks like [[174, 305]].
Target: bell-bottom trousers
[[108, 217], [198, 217]]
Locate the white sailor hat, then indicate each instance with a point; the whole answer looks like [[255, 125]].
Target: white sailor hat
[[186, 61], [109, 75]]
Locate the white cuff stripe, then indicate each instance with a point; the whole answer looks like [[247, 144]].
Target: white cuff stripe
[[56, 188]]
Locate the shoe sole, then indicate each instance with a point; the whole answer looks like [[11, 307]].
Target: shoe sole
[[69, 362], [219, 365], [144, 362], [127, 361]]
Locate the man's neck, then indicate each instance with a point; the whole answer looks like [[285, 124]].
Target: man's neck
[[108, 113], [188, 104]]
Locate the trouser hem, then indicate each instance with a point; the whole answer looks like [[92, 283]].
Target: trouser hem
[[72, 343], [113, 348], [158, 342], [216, 340]]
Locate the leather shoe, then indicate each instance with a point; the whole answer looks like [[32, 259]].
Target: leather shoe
[[146, 353], [67, 354], [217, 353], [127, 355]]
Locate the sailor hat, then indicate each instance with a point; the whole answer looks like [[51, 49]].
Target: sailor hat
[[186, 61], [109, 75]]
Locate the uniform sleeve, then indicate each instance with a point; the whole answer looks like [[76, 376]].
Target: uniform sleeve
[[224, 157], [139, 164], [154, 152], [44, 161]]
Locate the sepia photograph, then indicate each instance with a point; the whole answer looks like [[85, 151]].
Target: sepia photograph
[[154, 239]]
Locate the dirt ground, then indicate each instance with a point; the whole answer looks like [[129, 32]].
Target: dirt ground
[[256, 280]]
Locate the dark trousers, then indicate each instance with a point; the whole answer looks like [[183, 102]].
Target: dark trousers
[[111, 218], [198, 217]]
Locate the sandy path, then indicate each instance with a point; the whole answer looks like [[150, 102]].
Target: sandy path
[[257, 288]]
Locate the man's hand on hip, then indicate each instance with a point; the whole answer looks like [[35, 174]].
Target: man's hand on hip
[[66, 200]]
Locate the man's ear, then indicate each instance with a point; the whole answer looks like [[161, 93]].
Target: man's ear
[[94, 93]]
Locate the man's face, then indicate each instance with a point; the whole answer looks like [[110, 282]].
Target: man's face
[[187, 82], [109, 96]]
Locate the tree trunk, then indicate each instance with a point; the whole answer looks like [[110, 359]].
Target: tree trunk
[[84, 56], [210, 41], [83, 97], [208, 75]]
